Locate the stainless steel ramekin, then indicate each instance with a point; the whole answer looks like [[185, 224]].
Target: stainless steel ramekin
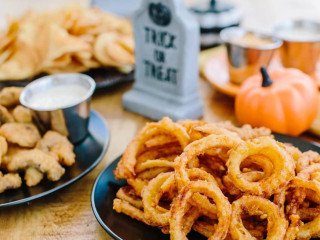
[[70, 120], [245, 60]]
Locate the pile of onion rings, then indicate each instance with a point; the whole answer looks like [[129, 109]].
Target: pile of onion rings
[[222, 181]]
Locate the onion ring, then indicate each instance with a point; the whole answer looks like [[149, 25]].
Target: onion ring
[[128, 194], [197, 148], [151, 195], [153, 172], [179, 209], [254, 205], [306, 159], [122, 206], [153, 163], [308, 230], [137, 184], [125, 168], [302, 189], [282, 162], [308, 172]]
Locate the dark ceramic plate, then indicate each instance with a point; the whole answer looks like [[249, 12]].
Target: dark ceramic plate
[[88, 154], [122, 227], [104, 77]]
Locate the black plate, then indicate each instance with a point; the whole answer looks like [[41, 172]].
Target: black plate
[[122, 227], [88, 154], [104, 77]]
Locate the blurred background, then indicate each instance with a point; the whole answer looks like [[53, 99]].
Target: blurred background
[[257, 14]]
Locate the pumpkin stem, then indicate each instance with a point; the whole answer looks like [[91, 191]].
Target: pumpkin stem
[[266, 80]]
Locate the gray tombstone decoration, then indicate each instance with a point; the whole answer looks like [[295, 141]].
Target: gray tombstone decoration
[[167, 72], [117, 7]]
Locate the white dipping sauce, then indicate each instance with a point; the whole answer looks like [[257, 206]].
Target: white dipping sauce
[[57, 97], [299, 34]]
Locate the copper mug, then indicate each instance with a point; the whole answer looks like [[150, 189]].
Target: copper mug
[[301, 44], [246, 58]]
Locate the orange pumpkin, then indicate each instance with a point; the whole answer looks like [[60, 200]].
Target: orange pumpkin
[[286, 101]]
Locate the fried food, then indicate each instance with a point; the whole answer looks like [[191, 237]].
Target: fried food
[[33, 176], [9, 181], [126, 167], [282, 163], [113, 50], [5, 116], [122, 206], [9, 96], [306, 159], [154, 214], [38, 159], [11, 150], [128, 194], [23, 134], [209, 189], [302, 193], [212, 145], [3, 146], [246, 132], [58, 146], [25, 59], [129, 203], [22, 114], [219, 180], [71, 39], [257, 206], [23, 151]]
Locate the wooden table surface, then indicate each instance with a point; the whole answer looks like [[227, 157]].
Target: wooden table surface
[[67, 213]]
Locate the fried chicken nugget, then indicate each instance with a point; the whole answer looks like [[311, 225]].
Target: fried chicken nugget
[[11, 150], [9, 181], [58, 146], [32, 176], [9, 96], [3, 147], [38, 159], [22, 114], [23, 134], [5, 116]]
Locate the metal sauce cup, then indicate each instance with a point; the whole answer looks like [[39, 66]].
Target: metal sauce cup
[[246, 58], [301, 44], [70, 120]]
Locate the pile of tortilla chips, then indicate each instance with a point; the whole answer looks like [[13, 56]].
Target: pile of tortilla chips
[[71, 39]]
